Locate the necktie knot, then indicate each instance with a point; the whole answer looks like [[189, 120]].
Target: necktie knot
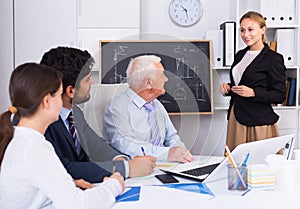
[[148, 106], [71, 119]]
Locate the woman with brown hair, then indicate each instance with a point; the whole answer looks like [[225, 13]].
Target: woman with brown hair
[[31, 174]]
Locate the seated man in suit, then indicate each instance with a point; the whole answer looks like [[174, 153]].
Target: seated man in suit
[[84, 154], [136, 120]]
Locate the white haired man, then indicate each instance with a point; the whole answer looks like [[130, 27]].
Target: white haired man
[[136, 122]]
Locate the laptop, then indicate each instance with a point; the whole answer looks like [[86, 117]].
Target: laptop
[[211, 168]]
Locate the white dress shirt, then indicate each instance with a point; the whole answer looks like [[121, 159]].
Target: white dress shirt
[[33, 177], [126, 125]]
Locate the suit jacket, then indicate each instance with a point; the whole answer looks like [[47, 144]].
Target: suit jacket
[[80, 166], [266, 76]]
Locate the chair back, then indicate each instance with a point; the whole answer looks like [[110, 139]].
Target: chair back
[[101, 95]]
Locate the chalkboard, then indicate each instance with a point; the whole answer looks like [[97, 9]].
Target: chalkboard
[[187, 65]]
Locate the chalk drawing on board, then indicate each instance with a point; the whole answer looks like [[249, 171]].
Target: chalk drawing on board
[[187, 65]]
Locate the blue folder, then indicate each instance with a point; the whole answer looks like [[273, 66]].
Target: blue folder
[[191, 187], [131, 195], [292, 93]]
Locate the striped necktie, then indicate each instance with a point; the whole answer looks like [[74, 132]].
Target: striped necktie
[[73, 132], [155, 136]]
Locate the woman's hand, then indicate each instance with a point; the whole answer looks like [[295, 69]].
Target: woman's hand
[[83, 184], [117, 176], [244, 91], [224, 88]]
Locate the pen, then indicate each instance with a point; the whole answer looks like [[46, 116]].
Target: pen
[[229, 156], [246, 160], [113, 167], [231, 160], [246, 192], [143, 151]]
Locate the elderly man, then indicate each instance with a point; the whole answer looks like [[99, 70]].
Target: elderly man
[[136, 122]]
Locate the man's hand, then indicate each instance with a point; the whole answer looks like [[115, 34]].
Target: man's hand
[[180, 154], [141, 166]]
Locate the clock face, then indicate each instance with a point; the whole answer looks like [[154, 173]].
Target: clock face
[[185, 12]]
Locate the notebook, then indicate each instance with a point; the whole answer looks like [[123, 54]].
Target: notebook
[[214, 168]]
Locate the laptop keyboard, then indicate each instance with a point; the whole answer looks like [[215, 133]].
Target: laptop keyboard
[[201, 171]]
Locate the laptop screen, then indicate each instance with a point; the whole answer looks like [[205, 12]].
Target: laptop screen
[[257, 150]]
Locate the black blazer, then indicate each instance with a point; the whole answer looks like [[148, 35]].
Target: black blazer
[[80, 166], [266, 76]]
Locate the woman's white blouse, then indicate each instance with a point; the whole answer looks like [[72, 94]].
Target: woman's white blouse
[[32, 176], [238, 70]]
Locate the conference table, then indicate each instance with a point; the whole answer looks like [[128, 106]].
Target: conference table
[[155, 196]]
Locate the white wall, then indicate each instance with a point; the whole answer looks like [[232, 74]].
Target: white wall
[[203, 134], [6, 50], [155, 19]]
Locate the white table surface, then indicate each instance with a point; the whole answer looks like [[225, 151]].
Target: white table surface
[[154, 197]]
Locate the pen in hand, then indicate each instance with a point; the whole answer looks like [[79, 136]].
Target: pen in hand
[[143, 151], [113, 167]]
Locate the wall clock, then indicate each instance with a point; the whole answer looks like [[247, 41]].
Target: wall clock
[[185, 12]]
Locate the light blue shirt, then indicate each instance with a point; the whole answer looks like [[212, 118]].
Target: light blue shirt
[[64, 113], [125, 123]]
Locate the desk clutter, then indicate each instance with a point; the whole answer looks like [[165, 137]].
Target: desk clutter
[[260, 176], [278, 174], [133, 193], [264, 182]]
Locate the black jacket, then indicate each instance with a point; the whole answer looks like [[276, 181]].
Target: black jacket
[[266, 76], [93, 146]]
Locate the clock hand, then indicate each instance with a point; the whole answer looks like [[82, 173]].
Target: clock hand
[[187, 16], [185, 10]]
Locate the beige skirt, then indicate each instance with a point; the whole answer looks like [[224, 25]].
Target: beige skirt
[[238, 133]]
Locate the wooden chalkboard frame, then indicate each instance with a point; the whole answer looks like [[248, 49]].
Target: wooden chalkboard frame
[[188, 66]]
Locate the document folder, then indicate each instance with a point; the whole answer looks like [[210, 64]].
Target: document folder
[[291, 97], [216, 37], [133, 194], [290, 11], [286, 45], [228, 42], [269, 9], [190, 187]]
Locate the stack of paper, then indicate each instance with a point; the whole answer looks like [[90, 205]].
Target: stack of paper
[[261, 176]]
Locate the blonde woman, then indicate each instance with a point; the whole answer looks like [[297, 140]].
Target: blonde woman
[[257, 80]]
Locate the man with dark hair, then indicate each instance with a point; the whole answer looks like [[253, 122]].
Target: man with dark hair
[[77, 143]]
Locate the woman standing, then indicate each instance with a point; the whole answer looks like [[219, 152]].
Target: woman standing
[[257, 80], [31, 174]]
